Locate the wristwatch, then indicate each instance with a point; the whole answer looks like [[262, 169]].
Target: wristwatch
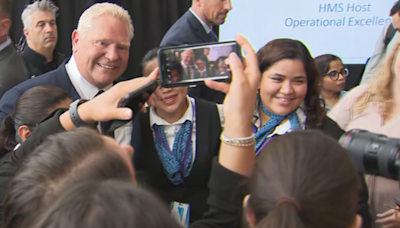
[[73, 113]]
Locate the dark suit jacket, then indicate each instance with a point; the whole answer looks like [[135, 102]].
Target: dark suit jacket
[[188, 30], [58, 78], [12, 69]]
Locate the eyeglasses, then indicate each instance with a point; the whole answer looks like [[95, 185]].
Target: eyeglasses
[[334, 75]]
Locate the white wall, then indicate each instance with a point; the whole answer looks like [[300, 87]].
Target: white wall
[[350, 31]]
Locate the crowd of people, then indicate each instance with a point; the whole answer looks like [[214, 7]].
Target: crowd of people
[[260, 151]]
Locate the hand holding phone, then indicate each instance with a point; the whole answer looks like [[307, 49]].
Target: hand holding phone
[[191, 65], [135, 101]]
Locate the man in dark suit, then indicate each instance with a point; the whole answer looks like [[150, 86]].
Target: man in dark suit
[[100, 56], [194, 27], [40, 30], [187, 64], [204, 57], [12, 68]]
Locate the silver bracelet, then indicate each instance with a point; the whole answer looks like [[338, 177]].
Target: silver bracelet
[[239, 142]]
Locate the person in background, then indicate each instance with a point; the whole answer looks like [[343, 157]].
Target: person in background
[[100, 47], [222, 68], [189, 71], [40, 30], [385, 44], [202, 70], [195, 27], [175, 142], [12, 66], [375, 107], [334, 76], [204, 57], [289, 100], [32, 107]]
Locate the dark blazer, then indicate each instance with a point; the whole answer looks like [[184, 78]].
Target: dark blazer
[[188, 30], [58, 78], [150, 171], [12, 69]]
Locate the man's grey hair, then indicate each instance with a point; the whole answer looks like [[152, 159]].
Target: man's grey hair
[[38, 5], [89, 16]]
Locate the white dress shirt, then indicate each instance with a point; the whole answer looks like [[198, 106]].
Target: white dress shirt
[[5, 44], [203, 73], [88, 91], [171, 130]]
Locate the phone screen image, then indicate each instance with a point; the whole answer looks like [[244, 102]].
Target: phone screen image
[[192, 65]]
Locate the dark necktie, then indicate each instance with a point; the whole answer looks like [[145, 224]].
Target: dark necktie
[[213, 37], [189, 73], [103, 124]]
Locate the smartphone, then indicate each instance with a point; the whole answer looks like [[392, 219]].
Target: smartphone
[[135, 101], [192, 64]]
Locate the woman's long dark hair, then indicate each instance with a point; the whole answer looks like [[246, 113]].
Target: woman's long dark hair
[[281, 49], [31, 108]]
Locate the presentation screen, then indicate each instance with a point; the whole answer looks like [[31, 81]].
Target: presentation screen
[[348, 29]]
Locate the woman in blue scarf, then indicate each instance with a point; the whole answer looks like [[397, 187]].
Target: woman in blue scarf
[[289, 92], [289, 100]]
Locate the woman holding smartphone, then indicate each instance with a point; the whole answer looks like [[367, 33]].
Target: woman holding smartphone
[[174, 142]]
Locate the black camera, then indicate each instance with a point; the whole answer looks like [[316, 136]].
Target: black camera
[[373, 153]]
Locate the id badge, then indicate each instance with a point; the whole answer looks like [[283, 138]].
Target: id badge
[[181, 212]]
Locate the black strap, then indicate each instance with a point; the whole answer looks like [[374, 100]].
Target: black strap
[[390, 32]]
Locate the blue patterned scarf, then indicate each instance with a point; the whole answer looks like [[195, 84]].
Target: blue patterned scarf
[[177, 162], [273, 122]]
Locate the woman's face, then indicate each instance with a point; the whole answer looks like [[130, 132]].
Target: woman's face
[[222, 65], [328, 84], [284, 86]]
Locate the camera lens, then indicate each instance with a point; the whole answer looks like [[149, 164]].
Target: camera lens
[[372, 153]]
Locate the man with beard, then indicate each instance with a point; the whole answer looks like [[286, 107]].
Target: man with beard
[[195, 27], [40, 30]]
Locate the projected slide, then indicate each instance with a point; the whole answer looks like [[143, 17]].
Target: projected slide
[[345, 28]]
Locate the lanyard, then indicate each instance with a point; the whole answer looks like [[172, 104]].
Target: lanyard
[[166, 146]]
